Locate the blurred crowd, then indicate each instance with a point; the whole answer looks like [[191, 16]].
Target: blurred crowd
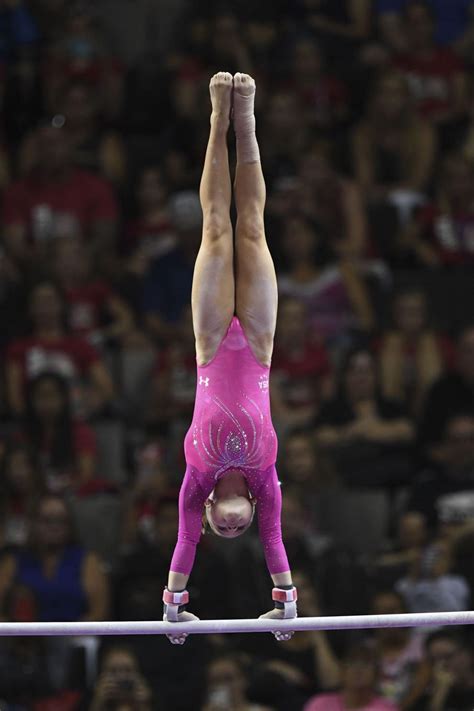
[[365, 117]]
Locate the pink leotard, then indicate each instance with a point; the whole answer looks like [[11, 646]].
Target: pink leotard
[[231, 429]]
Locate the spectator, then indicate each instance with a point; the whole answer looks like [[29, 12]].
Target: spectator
[[226, 686], [430, 586], [50, 348], [95, 311], [167, 286], [451, 684], [285, 135], [120, 685], [308, 470], [172, 390], [451, 393], [308, 663], [359, 684], [57, 578], [322, 95], [21, 484], [94, 148], [411, 542], [450, 472], [411, 355], [402, 675], [141, 572], [333, 292], [66, 448], [142, 501], [150, 235], [333, 202], [441, 234], [393, 150], [56, 200], [435, 74], [301, 371], [363, 430], [80, 54]]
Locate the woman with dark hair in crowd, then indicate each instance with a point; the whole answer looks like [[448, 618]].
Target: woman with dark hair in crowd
[[54, 577], [361, 427], [20, 486], [358, 411], [227, 682], [231, 445], [393, 148], [411, 355], [335, 296], [120, 685], [332, 201], [66, 448], [441, 234], [359, 685], [50, 348]]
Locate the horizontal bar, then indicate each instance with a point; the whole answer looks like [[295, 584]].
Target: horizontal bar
[[79, 629]]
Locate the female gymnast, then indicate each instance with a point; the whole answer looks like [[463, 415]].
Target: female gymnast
[[231, 446]]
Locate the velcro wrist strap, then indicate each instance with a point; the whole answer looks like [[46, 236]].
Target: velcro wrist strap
[[175, 598], [279, 595]]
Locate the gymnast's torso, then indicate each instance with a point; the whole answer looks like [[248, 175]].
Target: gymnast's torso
[[232, 426]]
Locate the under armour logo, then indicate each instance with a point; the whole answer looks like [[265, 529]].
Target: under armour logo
[[203, 381]]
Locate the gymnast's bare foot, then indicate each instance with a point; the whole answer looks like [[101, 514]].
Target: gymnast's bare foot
[[220, 89]]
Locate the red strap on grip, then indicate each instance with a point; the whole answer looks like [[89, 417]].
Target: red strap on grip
[[279, 595], [175, 598]]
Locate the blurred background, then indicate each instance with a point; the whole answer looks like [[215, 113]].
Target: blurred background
[[365, 117]]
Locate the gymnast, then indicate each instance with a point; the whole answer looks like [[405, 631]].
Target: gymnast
[[231, 445]]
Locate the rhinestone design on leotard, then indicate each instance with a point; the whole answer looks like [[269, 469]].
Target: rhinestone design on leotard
[[245, 441]]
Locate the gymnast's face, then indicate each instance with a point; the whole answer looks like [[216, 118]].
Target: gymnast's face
[[229, 517]]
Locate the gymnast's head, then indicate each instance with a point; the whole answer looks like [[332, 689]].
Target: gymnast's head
[[230, 508]]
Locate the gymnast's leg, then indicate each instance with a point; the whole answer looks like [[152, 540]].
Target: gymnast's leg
[[256, 285], [213, 297]]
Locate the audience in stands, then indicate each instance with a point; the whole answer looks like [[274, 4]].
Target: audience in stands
[[412, 354], [361, 668], [50, 348], [365, 124], [54, 578], [367, 434]]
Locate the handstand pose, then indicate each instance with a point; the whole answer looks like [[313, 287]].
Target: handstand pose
[[231, 446]]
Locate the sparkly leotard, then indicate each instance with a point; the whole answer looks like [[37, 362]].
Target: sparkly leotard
[[231, 429]]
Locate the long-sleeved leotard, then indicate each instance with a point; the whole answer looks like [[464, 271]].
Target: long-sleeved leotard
[[231, 429]]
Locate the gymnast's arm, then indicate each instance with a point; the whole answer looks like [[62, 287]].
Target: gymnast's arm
[[191, 502], [269, 525]]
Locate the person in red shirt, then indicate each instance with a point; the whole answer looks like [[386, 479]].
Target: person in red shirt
[[301, 367], [95, 311], [323, 97], [435, 74], [50, 348], [443, 232], [57, 199], [151, 233]]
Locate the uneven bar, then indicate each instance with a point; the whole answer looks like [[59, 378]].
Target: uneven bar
[[79, 629]]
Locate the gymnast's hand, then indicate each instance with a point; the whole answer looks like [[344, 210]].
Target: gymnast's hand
[[180, 637], [277, 614]]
